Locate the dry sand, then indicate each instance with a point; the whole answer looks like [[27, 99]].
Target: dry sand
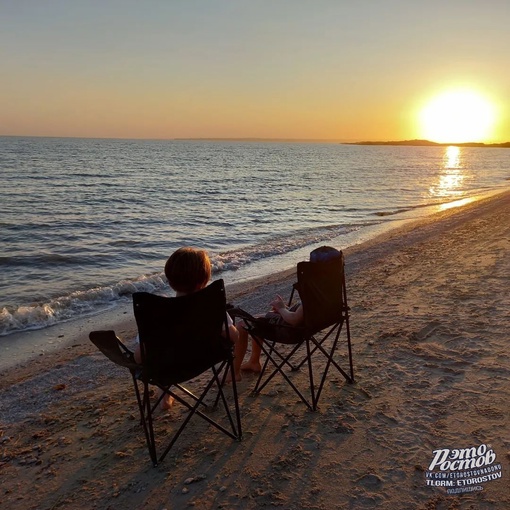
[[429, 320]]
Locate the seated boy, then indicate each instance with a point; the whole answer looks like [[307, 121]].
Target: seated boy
[[280, 314], [188, 270]]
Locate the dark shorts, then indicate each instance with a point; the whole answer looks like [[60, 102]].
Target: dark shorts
[[276, 318], [273, 327]]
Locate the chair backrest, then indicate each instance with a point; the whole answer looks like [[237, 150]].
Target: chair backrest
[[321, 287], [181, 337]]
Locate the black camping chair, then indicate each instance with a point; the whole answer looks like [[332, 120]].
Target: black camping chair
[[180, 339], [322, 290]]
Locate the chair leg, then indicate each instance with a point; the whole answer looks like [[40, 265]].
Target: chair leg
[[348, 331], [315, 392], [144, 407], [226, 369], [179, 431], [264, 366], [278, 368], [236, 431], [194, 409], [189, 393], [236, 404], [310, 375], [316, 346], [330, 361], [319, 346]]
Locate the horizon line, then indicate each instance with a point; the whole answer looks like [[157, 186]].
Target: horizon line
[[266, 139]]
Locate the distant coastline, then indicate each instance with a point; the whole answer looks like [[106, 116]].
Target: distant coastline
[[415, 143], [428, 143]]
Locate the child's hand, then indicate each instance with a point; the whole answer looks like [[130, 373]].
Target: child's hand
[[277, 304]]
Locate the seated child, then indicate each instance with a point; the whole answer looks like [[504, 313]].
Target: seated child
[[188, 270], [279, 314]]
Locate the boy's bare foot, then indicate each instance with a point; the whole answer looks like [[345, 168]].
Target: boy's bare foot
[[251, 366], [166, 402]]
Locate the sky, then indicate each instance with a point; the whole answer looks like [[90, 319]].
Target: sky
[[348, 70]]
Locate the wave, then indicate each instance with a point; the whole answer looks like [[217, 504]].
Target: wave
[[279, 245], [91, 301], [76, 304]]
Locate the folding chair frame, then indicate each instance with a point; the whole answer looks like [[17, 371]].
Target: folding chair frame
[[312, 345], [147, 409], [279, 360], [114, 349]]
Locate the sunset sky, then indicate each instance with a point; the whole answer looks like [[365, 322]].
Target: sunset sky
[[316, 69]]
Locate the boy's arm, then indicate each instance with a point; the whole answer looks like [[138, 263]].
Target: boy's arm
[[293, 318], [233, 334]]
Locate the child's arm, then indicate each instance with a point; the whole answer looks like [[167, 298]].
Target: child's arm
[[293, 318], [233, 333]]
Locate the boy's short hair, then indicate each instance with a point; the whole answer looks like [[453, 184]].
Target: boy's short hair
[[324, 253], [188, 270]]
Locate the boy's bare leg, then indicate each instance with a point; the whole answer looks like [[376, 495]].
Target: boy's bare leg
[[239, 351], [253, 363]]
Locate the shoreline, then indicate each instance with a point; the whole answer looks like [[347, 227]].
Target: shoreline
[[429, 324], [253, 294], [38, 316]]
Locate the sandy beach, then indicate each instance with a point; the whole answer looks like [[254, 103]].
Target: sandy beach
[[430, 330]]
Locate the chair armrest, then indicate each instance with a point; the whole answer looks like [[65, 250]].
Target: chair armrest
[[114, 349]]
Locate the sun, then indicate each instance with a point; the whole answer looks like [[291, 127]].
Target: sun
[[457, 116]]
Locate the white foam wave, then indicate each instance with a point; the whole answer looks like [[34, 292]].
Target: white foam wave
[[234, 259], [76, 304], [91, 301]]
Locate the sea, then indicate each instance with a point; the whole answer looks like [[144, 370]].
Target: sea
[[84, 223]]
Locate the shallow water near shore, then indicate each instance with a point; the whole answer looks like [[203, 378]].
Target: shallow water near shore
[[87, 222]]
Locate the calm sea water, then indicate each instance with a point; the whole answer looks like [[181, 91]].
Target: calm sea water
[[84, 223]]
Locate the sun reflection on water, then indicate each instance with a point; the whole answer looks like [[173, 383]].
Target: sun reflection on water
[[452, 157], [450, 181]]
